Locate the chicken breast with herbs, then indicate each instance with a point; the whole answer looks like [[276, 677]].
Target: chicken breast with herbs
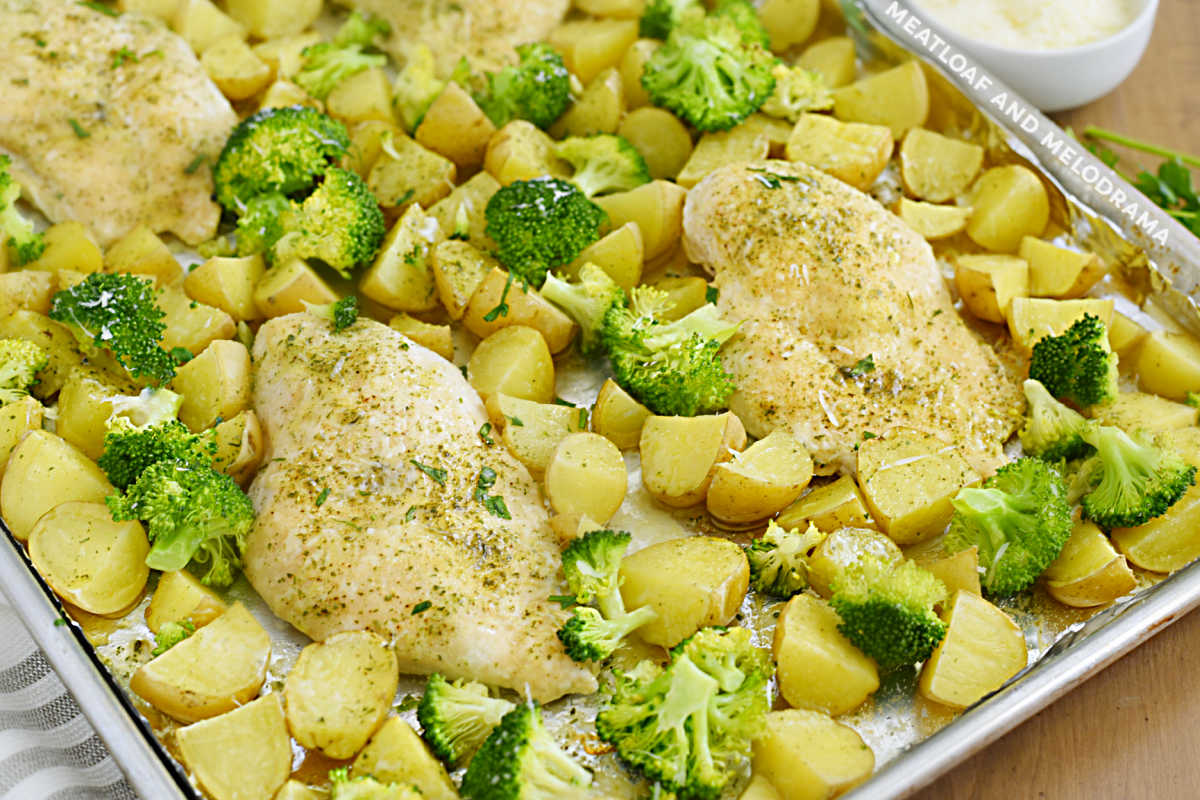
[[847, 326], [377, 509], [105, 117]]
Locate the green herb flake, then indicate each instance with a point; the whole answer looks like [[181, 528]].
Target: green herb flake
[[424, 605], [493, 503], [80, 131], [583, 419], [181, 355], [516, 421], [103, 9], [501, 310], [710, 294], [485, 431], [438, 475], [861, 367], [122, 56], [195, 164], [564, 600], [322, 497], [411, 514], [60, 623]]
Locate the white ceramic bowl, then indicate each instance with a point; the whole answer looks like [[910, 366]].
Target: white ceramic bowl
[[1054, 80]]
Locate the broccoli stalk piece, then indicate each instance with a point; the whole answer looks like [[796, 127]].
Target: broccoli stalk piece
[[192, 513], [745, 17], [366, 787], [1077, 366], [1020, 519], [1052, 431], [689, 727], [329, 63], [661, 16], [171, 634], [586, 302], [340, 223], [341, 315], [886, 610], [541, 224], [779, 560], [520, 760], [589, 636], [260, 225], [277, 150], [129, 451], [118, 312], [1130, 481], [456, 717], [537, 88], [797, 90], [708, 74], [416, 87], [17, 232], [148, 407], [674, 368], [603, 163], [20, 362]]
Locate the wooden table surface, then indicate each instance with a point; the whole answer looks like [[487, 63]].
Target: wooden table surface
[[1133, 731]]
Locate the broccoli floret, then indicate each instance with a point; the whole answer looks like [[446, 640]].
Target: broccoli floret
[[746, 18], [586, 302], [603, 163], [541, 224], [592, 562], [1130, 481], [708, 75], [673, 368], [17, 232], [886, 610], [689, 727], [797, 90], [261, 223], [520, 760], [537, 88], [1052, 431], [20, 362], [589, 636], [118, 312], [417, 86], [329, 63], [366, 787], [1078, 365], [128, 450], [779, 560], [1019, 520], [457, 716], [661, 16], [280, 150], [341, 315], [171, 634], [340, 223], [192, 513]]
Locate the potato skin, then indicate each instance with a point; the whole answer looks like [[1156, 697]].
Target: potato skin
[[43, 471]]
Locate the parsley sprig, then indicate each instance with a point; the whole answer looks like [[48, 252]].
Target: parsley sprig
[[1170, 187]]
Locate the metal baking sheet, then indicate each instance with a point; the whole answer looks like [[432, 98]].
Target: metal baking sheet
[[914, 742]]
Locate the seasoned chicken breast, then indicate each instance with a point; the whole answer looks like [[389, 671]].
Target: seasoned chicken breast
[[848, 328], [371, 510], [482, 31], [104, 118]]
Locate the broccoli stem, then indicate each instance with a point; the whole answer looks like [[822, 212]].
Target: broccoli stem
[[1103, 134]]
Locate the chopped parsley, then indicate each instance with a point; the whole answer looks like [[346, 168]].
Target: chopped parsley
[[195, 164], [103, 9], [322, 497], [710, 294], [583, 419], [861, 367], [404, 198], [424, 605], [771, 180], [516, 421], [564, 600], [181, 355], [411, 514], [80, 131], [493, 503], [123, 55], [485, 431], [501, 310], [439, 475]]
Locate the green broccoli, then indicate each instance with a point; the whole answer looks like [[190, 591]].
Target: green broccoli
[[1077, 366], [779, 560], [1052, 431], [129, 450], [689, 727], [340, 223], [456, 717], [886, 610], [192, 513], [586, 302], [416, 87], [1130, 481], [797, 90], [661, 16], [18, 233], [118, 312], [520, 760], [260, 225], [20, 362], [277, 150], [366, 787], [708, 75], [745, 16], [341, 314], [589, 636], [541, 224], [1019, 520], [171, 634], [603, 163], [329, 63], [673, 368], [537, 88]]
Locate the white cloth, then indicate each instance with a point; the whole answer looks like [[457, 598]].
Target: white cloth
[[48, 751]]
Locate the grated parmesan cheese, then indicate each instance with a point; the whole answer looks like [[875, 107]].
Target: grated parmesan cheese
[[1035, 24]]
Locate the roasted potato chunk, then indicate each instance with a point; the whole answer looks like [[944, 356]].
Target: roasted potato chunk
[[656, 208], [408, 173], [597, 110], [396, 754], [44, 471], [520, 151], [761, 481], [586, 475], [215, 384], [1058, 272], [632, 65], [829, 507], [69, 246], [228, 284], [180, 596], [243, 754], [235, 69], [618, 417], [141, 252], [365, 95], [269, 19], [897, 98], [17, 419], [849, 151], [1008, 203], [834, 58], [715, 150], [1169, 364], [438, 338], [401, 278], [933, 222], [286, 288], [789, 22], [590, 46], [240, 446], [1031, 318], [982, 649], [937, 168], [619, 253], [679, 454], [533, 431], [806, 755], [988, 284], [662, 140], [455, 127], [816, 665], [458, 269], [519, 306], [842, 548], [1089, 571], [513, 361]]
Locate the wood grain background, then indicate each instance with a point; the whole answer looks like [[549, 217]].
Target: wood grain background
[[1133, 731]]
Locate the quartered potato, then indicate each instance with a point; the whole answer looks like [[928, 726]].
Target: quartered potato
[[691, 582], [438, 338], [401, 278], [88, 559], [396, 754], [590, 46], [85, 404], [513, 361], [760, 481], [43, 471], [339, 691], [519, 306], [180, 596], [679, 453], [937, 168], [236, 70], [228, 284], [1008, 203], [458, 269], [1031, 318], [18, 418], [685, 293], [461, 213], [841, 549], [619, 253], [141, 252], [617, 416], [219, 667], [295, 790], [982, 649], [852, 152], [816, 665], [240, 446], [598, 108], [192, 325], [988, 284], [1089, 571], [69, 246], [408, 173], [1125, 335], [1166, 543], [829, 507], [662, 140], [286, 288], [26, 291], [455, 127], [202, 24], [759, 788], [215, 384], [806, 755], [632, 65], [1169, 364], [269, 19], [244, 754], [715, 150], [521, 151], [835, 58], [532, 431], [655, 207], [957, 571], [586, 475], [897, 98], [365, 95], [1058, 272], [1138, 411], [932, 221]]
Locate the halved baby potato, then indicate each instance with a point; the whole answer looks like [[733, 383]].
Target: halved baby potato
[[982, 649], [1058, 272], [760, 481], [617, 416], [619, 253], [679, 453], [1089, 571], [514, 361], [532, 431], [937, 168], [806, 755], [244, 754], [1166, 543], [957, 571], [656, 208], [817, 667], [44, 471], [933, 221], [586, 475], [1008, 203], [897, 98]]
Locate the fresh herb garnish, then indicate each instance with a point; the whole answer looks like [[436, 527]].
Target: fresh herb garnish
[[103, 9], [771, 180], [516, 421], [181, 355], [411, 514], [424, 605], [195, 164], [710, 294], [123, 55], [439, 475], [583, 419], [80, 131], [1170, 187], [322, 497], [564, 600], [500, 310], [860, 368], [404, 198], [493, 503], [485, 431]]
